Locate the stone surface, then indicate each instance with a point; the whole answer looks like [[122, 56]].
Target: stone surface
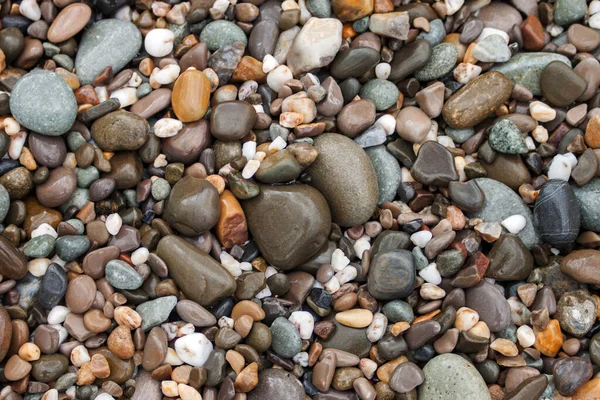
[[490, 304], [387, 170], [120, 130], [315, 45], [451, 377], [391, 275], [273, 382], [556, 214]]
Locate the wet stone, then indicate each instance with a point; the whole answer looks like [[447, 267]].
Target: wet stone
[[556, 214]]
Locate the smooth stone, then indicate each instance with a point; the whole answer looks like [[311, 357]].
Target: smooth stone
[[436, 33], [506, 138], [196, 273], [570, 373], [398, 311], [262, 39], [13, 263], [280, 167], [345, 338], [490, 304], [587, 196], [568, 11], [120, 130], [530, 388], [195, 314], [126, 170], [107, 43], [500, 16], [193, 206], [273, 382], [122, 276], [30, 106], [54, 286], [391, 275], [232, 120], [5, 332], [297, 227], [442, 61], [556, 214], [383, 93], [353, 62], [498, 193], [222, 33], [492, 48], [70, 247], [285, 338], [155, 312], [4, 203], [410, 58], [582, 265], [186, 146], [510, 260], [18, 182], [388, 172], [560, 85], [508, 169], [58, 188], [40, 246], [49, 367], [451, 377], [350, 188], [315, 46], [120, 370], [526, 68], [155, 349], [467, 196], [146, 388], [576, 312], [434, 165], [48, 151], [475, 101]]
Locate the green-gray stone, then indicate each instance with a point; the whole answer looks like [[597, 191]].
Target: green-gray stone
[[459, 135], [442, 61], [4, 203], [568, 11], [382, 92], [222, 33], [361, 25], [87, 176], [70, 247], [28, 289], [319, 8], [506, 138], [50, 49], [109, 42], [352, 340], [436, 33], [130, 197], [39, 246], [65, 381], [390, 240], [526, 68], [280, 167], [508, 333], [121, 276], [155, 312], [43, 102], [75, 140], [387, 169], [449, 262], [420, 260], [64, 61], [79, 199], [78, 225], [49, 367], [498, 193], [285, 340], [143, 90], [398, 311], [160, 189], [451, 377], [588, 197]]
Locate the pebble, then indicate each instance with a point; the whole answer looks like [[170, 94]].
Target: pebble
[[463, 380], [556, 214], [219, 34], [312, 48], [286, 340], [442, 60], [387, 170], [391, 275], [559, 73], [29, 105], [193, 349]]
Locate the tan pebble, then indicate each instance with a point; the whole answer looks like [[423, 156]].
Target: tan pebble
[[16, 368], [217, 181], [466, 318], [99, 366], [421, 23], [80, 355], [29, 352], [385, 371], [26, 159], [120, 342], [128, 317], [247, 307], [400, 327], [188, 393], [505, 347], [247, 379], [243, 325], [356, 318], [85, 375], [169, 388], [181, 374], [236, 360], [480, 329]]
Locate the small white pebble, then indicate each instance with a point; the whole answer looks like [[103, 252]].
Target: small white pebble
[[159, 42], [541, 112], [11, 126], [172, 357], [421, 238], [382, 70], [269, 63], [594, 8], [346, 275], [102, 93], [245, 266], [515, 223], [140, 256], [80, 355], [113, 223], [135, 80], [304, 322], [187, 392], [377, 328], [560, 168], [221, 5], [38, 266], [332, 285], [572, 159], [492, 31], [278, 77], [169, 388], [104, 396], [431, 274], [126, 96], [58, 314], [301, 359], [266, 292], [250, 169], [278, 144], [167, 127], [231, 264], [525, 336], [164, 76], [249, 150], [361, 245], [269, 272], [429, 291], [30, 9], [160, 161], [260, 156], [540, 134], [388, 123], [452, 6], [16, 145], [225, 322], [339, 260], [466, 318], [194, 349], [594, 21], [44, 229]]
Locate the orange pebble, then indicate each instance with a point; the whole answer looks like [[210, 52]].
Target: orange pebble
[[348, 31], [549, 341]]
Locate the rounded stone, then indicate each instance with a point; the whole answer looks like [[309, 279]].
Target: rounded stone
[[273, 382], [382, 92], [120, 130], [222, 33], [391, 275], [30, 105], [58, 188], [556, 214], [232, 120], [451, 377]]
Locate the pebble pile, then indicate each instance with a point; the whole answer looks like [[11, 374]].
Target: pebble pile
[[295, 200]]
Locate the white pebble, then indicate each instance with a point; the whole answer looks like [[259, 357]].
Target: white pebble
[[388, 123], [368, 367], [245, 266], [269, 63], [167, 127], [193, 349], [160, 161], [304, 321], [225, 322], [525, 336], [187, 392], [246, 89], [466, 318], [492, 31], [164, 76], [382, 70], [126, 96], [104, 396], [51, 394], [11, 126], [572, 159], [16, 145], [260, 156], [102, 93], [269, 272], [460, 163], [135, 80], [560, 168], [250, 168], [221, 5], [446, 141], [172, 357], [594, 7], [361, 245], [541, 112], [346, 275], [452, 6], [58, 314], [258, 108], [169, 388], [554, 30], [540, 134], [377, 327], [159, 42], [594, 21], [421, 238], [301, 359], [44, 229], [124, 13], [140, 256], [515, 223], [266, 292], [278, 144], [30, 9], [113, 223], [278, 77], [80, 355], [38, 266], [431, 274], [339, 260], [63, 334], [466, 72], [249, 150], [429, 291], [332, 285], [230, 264]]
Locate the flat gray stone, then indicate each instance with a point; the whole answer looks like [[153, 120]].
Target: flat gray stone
[[387, 170], [451, 377], [43, 102], [109, 42], [588, 197]]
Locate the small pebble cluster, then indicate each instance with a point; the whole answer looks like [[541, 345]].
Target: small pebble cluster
[[295, 200]]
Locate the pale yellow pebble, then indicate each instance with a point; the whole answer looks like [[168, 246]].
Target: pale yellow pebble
[[356, 318], [505, 347], [169, 388], [29, 352], [480, 329]]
